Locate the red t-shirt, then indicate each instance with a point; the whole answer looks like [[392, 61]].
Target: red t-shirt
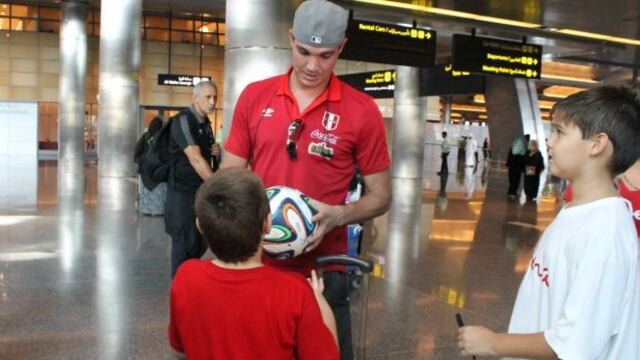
[[341, 120], [258, 313], [631, 197]]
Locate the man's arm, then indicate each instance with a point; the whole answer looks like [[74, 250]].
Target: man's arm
[[230, 160], [197, 161], [374, 203], [478, 340]]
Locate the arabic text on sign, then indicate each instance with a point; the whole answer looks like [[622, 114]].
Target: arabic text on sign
[[412, 33], [524, 60], [381, 77], [509, 71]]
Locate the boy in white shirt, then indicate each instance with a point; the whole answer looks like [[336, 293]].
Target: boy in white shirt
[[580, 296]]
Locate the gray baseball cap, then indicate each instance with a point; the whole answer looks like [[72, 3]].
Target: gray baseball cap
[[320, 23]]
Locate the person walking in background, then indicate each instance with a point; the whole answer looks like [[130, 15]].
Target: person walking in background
[[471, 151], [151, 195], [462, 144], [515, 163], [533, 166], [445, 148], [486, 152]]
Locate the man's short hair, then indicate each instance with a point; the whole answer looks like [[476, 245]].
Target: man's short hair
[[231, 207], [610, 109], [197, 88], [444, 134], [320, 23]]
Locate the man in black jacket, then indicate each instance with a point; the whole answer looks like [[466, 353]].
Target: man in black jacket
[[193, 153]]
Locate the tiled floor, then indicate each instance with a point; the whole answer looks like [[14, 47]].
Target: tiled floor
[[93, 282]]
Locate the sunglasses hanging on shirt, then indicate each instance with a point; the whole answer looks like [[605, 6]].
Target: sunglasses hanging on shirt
[[293, 134]]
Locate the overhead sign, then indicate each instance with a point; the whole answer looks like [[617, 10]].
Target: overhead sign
[[377, 84], [444, 80], [436, 80], [481, 55], [181, 80], [449, 70], [389, 44]]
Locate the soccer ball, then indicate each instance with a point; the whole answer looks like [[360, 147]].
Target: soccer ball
[[291, 211]]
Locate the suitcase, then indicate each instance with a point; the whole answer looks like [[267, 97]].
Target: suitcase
[[359, 273]]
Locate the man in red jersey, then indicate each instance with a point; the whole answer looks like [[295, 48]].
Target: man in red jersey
[[308, 130]]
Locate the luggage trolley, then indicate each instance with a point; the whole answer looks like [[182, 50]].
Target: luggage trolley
[[364, 267]]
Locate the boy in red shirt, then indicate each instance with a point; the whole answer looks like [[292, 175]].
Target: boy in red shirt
[[234, 307], [628, 184]]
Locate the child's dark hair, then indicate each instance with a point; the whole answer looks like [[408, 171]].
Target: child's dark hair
[[610, 109], [231, 207]]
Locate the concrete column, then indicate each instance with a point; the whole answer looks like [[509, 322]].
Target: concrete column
[[257, 46], [71, 102], [447, 110], [118, 90], [512, 105], [408, 126], [406, 172]]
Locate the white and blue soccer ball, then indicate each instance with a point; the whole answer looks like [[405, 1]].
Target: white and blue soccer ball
[[291, 227]]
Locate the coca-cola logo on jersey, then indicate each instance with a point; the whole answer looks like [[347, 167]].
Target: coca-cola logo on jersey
[[330, 138]]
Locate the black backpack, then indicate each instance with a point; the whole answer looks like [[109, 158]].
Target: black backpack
[[140, 151], [156, 164]]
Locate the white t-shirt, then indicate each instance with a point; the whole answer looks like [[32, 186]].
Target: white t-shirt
[[582, 286]]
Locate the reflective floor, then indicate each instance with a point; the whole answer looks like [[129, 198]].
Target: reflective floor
[[92, 280]]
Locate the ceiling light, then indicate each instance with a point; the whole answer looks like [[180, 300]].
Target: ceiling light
[[560, 92], [478, 98], [546, 104], [500, 21], [452, 13], [602, 37], [469, 108], [568, 78]]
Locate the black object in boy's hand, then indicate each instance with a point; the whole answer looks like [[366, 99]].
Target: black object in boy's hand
[[461, 324]]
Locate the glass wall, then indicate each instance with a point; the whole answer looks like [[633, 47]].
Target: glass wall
[[195, 29], [201, 29], [48, 126]]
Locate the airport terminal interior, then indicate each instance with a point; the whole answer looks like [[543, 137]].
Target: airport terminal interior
[[85, 274]]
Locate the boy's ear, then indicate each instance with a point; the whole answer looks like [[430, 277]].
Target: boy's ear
[[198, 226], [266, 225], [600, 143]]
